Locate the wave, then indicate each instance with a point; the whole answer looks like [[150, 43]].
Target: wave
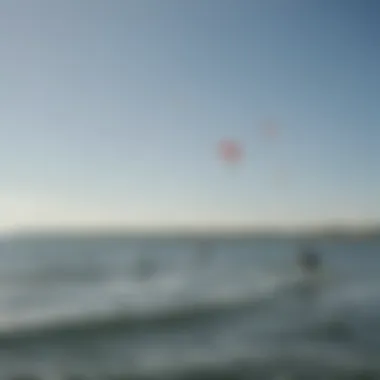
[[195, 313], [124, 320]]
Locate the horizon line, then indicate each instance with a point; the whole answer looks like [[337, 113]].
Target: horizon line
[[336, 228]]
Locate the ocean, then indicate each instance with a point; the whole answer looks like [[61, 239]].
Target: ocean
[[135, 307]]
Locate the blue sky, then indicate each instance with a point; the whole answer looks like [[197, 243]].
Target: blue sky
[[111, 112]]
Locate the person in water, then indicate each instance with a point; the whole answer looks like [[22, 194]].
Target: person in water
[[309, 261], [310, 264]]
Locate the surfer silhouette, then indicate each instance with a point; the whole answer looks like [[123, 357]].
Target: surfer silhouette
[[309, 261]]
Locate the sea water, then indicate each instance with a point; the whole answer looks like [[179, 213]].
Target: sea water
[[145, 307]]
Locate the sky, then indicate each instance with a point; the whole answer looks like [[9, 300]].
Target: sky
[[112, 112]]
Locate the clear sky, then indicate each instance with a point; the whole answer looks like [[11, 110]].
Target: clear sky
[[111, 112]]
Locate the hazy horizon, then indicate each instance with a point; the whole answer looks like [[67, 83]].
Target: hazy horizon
[[206, 230]]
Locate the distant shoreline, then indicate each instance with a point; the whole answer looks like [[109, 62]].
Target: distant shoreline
[[345, 233]]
